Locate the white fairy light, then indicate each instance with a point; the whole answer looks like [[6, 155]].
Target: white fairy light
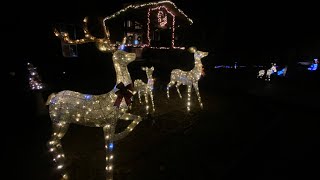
[[154, 6], [145, 88], [144, 5], [103, 110], [189, 78]]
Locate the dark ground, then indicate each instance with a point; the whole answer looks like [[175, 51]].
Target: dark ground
[[248, 129]]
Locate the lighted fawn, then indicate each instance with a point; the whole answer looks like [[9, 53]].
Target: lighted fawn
[[145, 88], [103, 110], [189, 78]]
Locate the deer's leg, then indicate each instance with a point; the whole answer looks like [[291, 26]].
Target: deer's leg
[[168, 88], [146, 99], [135, 121], [139, 95], [55, 146], [189, 97], [108, 136], [267, 78], [151, 97], [196, 87], [177, 87]]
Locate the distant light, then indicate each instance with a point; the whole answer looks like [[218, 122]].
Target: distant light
[[63, 72], [136, 42], [313, 67]]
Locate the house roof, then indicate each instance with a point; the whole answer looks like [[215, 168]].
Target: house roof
[[169, 4]]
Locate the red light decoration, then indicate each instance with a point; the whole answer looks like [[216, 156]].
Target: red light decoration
[[159, 8]]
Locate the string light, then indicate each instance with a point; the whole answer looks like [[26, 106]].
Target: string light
[[173, 23], [159, 4], [34, 78], [103, 44], [68, 107], [144, 5], [189, 78], [145, 88], [162, 18]]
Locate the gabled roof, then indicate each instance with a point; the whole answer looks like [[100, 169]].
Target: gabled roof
[[149, 4]]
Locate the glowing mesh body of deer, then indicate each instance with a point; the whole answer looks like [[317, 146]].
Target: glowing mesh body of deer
[[145, 88], [68, 107], [189, 78], [270, 71]]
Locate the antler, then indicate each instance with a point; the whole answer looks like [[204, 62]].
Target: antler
[[103, 44]]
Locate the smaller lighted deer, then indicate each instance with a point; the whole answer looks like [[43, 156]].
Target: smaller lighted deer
[[189, 78], [270, 71], [145, 88]]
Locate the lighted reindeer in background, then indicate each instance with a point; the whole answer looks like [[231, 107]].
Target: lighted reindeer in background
[[189, 78], [145, 88], [267, 74], [103, 110]]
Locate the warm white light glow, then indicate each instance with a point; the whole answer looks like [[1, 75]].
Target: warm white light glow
[[103, 110], [262, 73], [189, 78], [144, 5], [146, 89]]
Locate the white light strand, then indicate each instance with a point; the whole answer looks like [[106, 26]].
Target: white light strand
[[146, 4], [145, 88], [189, 78]]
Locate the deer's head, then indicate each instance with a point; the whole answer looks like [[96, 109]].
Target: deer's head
[[123, 58], [198, 55], [149, 71]]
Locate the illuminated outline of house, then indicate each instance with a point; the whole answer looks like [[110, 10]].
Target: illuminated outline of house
[[162, 17]]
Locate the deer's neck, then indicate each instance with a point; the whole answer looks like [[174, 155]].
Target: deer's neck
[[150, 81], [122, 73], [197, 66]]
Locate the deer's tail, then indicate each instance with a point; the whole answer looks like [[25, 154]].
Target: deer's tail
[[51, 96]]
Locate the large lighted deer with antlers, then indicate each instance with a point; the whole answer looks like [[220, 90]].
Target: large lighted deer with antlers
[[189, 78], [103, 110]]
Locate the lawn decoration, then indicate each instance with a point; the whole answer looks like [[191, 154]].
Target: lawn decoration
[[189, 78]]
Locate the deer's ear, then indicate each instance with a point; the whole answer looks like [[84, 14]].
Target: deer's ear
[[152, 68], [143, 68]]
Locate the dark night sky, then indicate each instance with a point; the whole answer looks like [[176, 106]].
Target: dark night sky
[[236, 30]]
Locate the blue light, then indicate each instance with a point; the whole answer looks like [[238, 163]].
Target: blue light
[[313, 67], [87, 97], [281, 72], [111, 146], [136, 42], [121, 47]]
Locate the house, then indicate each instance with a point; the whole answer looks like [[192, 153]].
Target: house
[[159, 25]]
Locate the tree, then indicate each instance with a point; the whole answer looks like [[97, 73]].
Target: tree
[[34, 78]]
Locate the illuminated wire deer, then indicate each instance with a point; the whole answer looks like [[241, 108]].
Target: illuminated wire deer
[[267, 73], [103, 110], [189, 78], [145, 88]]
